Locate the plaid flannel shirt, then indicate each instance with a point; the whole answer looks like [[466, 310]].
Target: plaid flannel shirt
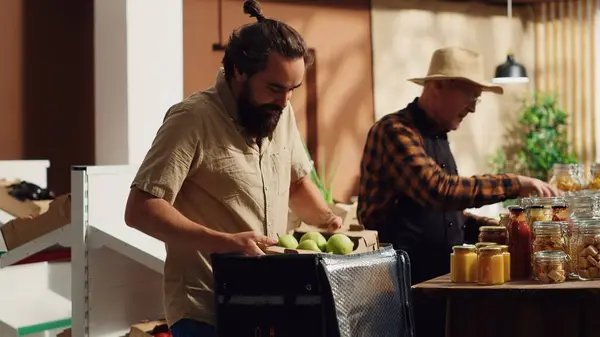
[[395, 164]]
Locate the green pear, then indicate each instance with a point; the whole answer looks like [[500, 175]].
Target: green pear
[[288, 241], [340, 244], [316, 237], [309, 245]]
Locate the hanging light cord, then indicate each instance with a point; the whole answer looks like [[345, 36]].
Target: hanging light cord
[[510, 35]]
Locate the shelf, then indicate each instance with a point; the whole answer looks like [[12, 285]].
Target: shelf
[[59, 236], [38, 306], [131, 243]]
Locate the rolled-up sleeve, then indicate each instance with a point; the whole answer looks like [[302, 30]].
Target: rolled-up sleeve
[[175, 154]]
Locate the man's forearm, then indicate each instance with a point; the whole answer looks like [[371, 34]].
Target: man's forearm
[[159, 219], [307, 202]]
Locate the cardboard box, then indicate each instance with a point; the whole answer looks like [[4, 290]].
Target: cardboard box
[[145, 328], [65, 333], [22, 230], [364, 240], [21, 209]]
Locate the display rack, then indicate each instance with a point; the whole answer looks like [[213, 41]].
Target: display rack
[[35, 297], [116, 270]]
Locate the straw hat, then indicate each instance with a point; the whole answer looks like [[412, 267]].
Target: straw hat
[[458, 63]]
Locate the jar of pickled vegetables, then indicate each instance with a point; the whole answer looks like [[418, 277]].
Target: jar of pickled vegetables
[[463, 264], [506, 257], [519, 234], [496, 234], [594, 183], [559, 213], [549, 235], [550, 266], [568, 177], [490, 266], [587, 248]]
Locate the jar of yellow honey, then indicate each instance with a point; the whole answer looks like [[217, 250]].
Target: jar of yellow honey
[[463, 264], [490, 266], [506, 258]]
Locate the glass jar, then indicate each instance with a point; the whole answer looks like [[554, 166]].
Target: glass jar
[[490, 266], [538, 213], [506, 258], [519, 234], [550, 266], [568, 177], [549, 235], [496, 234], [594, 183], [463, 264], [504, 219], [587, 248], [559, 213], [480, 245]]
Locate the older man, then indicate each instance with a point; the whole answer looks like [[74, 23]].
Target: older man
[[410, 189]]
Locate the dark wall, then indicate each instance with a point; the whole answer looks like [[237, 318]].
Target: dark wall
[[58, 85]]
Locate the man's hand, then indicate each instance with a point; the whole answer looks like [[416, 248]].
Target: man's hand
[[246, 243], [532, 185], [333, 223]]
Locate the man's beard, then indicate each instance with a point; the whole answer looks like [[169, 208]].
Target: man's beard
[[258, 120]]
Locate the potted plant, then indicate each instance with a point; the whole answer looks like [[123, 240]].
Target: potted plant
[[537, 141]]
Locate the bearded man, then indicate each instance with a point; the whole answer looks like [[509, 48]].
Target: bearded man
[[225, 166]]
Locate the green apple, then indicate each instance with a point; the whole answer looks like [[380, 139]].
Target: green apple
[[309, 245], [288, 241], [339, 244], [316, 237]]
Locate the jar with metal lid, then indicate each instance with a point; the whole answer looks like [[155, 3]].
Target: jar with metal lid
[[594, 183], [550, 266], [490, 266], [506, 257], [479, 245], [549, 235], [538, 213], [519, 234], [568, 177], [496, 234], [588, 248], [504, 219], [463, 264]]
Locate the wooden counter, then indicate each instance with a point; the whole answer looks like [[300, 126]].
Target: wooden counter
[[518, 309]]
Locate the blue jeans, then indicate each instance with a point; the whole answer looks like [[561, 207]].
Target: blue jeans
[[191, 328]]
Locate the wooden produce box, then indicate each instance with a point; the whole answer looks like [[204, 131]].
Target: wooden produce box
[[364, 240], [147, 328]]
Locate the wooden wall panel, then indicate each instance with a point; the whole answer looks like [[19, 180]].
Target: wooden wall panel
[[565, 64]]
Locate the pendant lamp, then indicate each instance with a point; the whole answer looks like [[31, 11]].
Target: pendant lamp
[[510, 71]]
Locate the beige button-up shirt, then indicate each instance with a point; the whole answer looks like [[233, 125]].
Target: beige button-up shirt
[[202, 163]]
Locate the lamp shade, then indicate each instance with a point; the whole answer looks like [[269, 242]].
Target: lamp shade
[[510, 72]]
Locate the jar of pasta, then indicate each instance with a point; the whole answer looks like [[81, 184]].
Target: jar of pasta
[[538, 213], [594, 183], [568, 177], [496, 234], [506, 258], [588, 248], [549, 235], [463, 264], [490, 266], [550, 266]]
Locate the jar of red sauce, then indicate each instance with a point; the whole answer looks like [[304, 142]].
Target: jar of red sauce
[[519, 234]]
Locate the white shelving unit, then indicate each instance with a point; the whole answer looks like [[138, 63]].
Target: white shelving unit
[[36, 297], [116, 270]]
